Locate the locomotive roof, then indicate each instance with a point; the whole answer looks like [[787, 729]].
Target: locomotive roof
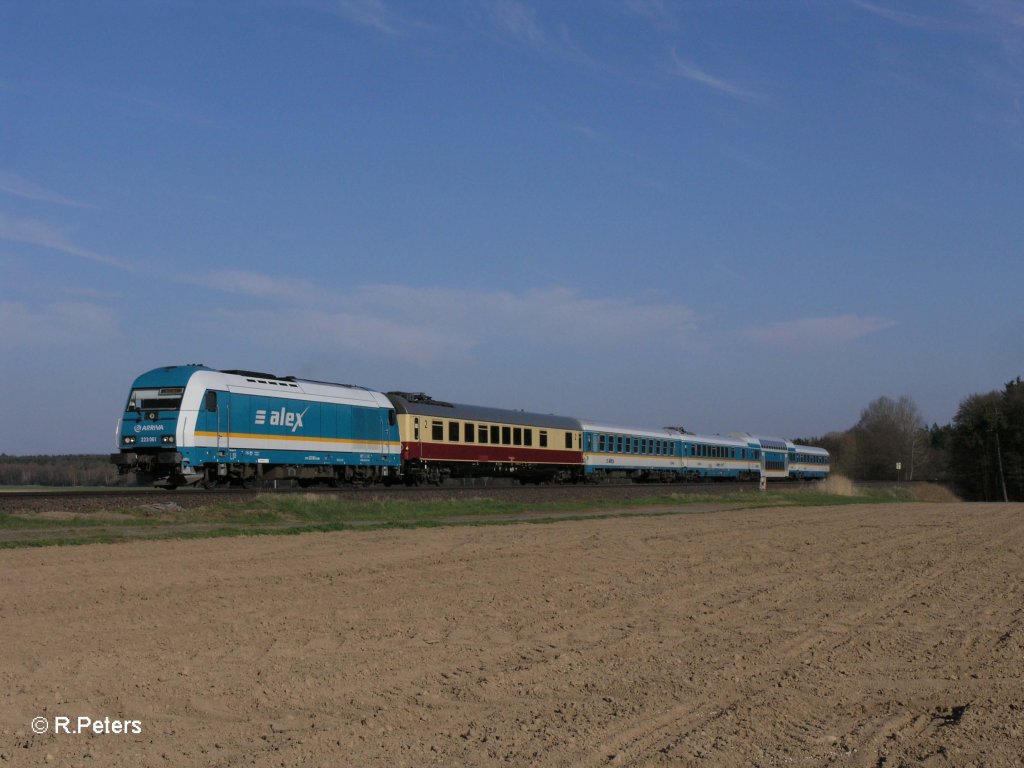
[[419, 404]]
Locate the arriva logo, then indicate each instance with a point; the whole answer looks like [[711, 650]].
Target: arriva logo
[[281, 418]]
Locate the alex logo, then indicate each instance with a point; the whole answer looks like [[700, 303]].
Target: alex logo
[[281, 418]]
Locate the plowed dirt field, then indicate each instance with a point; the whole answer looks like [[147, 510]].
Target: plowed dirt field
[[888, 635]]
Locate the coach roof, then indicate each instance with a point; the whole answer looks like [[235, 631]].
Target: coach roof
[[419, 404]]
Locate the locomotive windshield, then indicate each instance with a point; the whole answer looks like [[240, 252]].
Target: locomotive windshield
[[162, 399]]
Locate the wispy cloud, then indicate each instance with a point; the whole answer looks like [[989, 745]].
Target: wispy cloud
[[259, 285], [906, 19], [37, 233], [818, 331], [994, 28], [431, 323], [375, 14], [657, 12], [964, 16], [689, 71], [13, 184], [518, 21], [57, 324]]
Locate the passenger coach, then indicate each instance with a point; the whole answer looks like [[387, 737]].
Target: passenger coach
[[441, 440], [627, 452]]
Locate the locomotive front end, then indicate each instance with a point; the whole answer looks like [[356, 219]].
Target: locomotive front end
[[148, 434]]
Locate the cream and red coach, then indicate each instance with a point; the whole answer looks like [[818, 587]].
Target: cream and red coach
[[441, 440]]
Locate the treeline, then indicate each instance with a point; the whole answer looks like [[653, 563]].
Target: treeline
[[58, 470], [980, 454]]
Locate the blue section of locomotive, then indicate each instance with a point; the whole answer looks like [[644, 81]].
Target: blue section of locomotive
[[193, 425], [148, 433]]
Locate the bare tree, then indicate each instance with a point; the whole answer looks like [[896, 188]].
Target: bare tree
[[889, 432]]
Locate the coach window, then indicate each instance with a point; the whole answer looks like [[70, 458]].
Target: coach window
[[470, 432], [437, 430], [568, 440], [482, 434], [600, 443], [528, 437], [495, 435], [506, 435], [517, 436], [453, 431], [543, 438]]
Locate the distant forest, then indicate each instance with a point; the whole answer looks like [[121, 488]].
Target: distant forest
[[980, 455], [60, 470]]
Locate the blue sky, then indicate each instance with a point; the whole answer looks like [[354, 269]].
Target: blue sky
[[725, 215]]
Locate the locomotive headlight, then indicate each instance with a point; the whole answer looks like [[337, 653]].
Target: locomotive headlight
[[167, 439], [129, 440]]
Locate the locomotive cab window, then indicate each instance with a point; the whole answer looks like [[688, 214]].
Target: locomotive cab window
[[156, 399]]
